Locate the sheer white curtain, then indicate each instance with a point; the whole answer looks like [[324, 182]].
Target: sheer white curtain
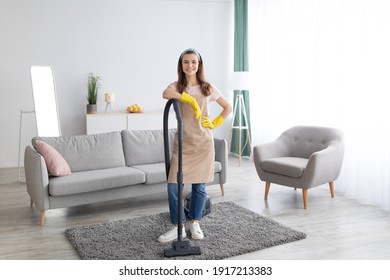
[[326, 62]]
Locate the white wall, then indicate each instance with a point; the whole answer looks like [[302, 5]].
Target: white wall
[[132, 45]]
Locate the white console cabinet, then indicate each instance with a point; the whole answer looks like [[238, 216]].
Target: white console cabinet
[[107, 122]]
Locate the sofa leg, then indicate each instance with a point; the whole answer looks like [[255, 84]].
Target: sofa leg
[[331, 187], [42, 218], [305, 198], [31, 202], [267, 186], [222, 189]]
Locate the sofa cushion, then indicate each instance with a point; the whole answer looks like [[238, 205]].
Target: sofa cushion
[[154, 172], [145, 146], [95, 180], [55, 163], [288, 166], [88, 152]]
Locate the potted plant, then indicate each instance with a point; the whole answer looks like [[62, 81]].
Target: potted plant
[[93, 87]]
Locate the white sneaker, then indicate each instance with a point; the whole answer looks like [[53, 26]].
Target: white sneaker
[[196, 232], [171, 235]]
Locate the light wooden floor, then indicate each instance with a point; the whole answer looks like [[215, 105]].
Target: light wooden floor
[[336, 228]]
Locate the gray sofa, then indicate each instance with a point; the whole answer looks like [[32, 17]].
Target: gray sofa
[[105, 167]]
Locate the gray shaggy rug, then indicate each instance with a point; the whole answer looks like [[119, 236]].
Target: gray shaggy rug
[[229, 230]]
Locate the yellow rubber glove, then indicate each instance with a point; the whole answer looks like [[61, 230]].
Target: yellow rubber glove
[[214, 124], [185, 97]]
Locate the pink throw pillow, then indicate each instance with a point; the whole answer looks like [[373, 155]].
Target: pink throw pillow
[[56, 164]]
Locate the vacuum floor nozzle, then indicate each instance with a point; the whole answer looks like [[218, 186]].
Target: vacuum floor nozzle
[[181, 248]]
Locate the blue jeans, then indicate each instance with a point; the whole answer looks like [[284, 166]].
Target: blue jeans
[[198, 199]]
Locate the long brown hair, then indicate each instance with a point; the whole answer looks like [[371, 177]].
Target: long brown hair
[[205, 87]]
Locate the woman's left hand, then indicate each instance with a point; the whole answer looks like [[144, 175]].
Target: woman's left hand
[[214, 124]]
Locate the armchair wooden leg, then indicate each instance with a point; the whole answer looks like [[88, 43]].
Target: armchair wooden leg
[[42, 218], [31, 202], [331, 187], [305, 198], [222, 189], [267, 186]]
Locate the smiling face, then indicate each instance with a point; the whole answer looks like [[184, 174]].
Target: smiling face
[[190, 64]]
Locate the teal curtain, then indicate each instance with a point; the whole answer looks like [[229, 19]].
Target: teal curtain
[[241, 64]]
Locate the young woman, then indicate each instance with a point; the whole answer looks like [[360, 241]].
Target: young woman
[[195, 94]]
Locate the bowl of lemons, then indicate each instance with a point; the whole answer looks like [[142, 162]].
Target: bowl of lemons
[[134, 109]]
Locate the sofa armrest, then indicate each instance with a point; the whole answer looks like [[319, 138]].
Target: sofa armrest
[[221, 155], [262, 152], [274, 149], [37, 178], [324, 166]]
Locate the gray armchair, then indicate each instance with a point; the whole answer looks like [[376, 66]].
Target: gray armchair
[[302, 157]]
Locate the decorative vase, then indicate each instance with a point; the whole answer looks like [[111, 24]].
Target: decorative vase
[[91, 108]]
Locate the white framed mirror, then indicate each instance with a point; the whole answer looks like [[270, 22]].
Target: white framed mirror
[[45, 101]]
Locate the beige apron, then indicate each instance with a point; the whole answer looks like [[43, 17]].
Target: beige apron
[[198, 145]]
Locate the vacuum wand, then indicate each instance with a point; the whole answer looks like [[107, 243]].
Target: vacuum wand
[[179, 247]]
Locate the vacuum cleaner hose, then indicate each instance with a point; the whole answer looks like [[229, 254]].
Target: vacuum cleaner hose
[[176, 107]]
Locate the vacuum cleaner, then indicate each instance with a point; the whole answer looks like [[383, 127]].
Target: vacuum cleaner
[[180, 247]]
